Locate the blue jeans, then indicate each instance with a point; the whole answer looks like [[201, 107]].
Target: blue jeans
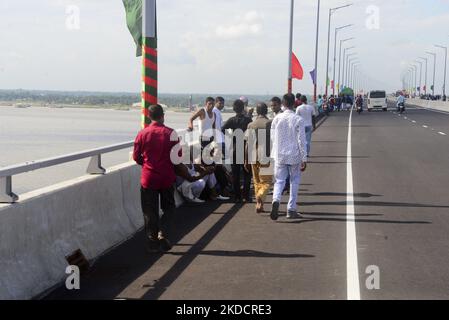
[[309, 131], [281, 173]]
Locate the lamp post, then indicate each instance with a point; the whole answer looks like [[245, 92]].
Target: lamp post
[[339, 62], [434, 70], [335, 51], [445, 67], [348, 65], [344, 64], [347, 68], [415, 71], [316, 53], [353, 67], [331, 11], [290, 50], [425, 75], [420, 75]]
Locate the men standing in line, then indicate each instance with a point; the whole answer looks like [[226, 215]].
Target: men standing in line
[[248, 111], [307, 112], [152, 149], [258, 144], [276, 106], [207, 127], [298, 101], [239, 124], [289, 155]]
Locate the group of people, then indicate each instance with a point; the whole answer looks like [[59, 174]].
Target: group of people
[[334, 103], [270, 151]]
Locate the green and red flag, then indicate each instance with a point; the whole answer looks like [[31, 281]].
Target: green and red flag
[[142, 23]]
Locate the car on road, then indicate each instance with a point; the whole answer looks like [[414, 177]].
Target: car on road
[[377, 100]]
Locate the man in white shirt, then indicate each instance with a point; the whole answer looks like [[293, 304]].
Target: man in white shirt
[[289, 155], [307, 112]]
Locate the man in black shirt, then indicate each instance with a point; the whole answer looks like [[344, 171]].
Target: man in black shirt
[[239, 125]]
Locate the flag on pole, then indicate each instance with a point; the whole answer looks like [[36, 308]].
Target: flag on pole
[[142, 23], [133, 10], [332, 84], [313, 75], [297, 70], [328, 82]]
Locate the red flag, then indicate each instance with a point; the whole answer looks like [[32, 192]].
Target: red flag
[[332, 84], [297, 70]]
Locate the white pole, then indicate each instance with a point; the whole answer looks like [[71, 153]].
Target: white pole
[[316, 52], [290, 50]]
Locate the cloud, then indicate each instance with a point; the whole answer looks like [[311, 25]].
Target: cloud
[[251, 24]]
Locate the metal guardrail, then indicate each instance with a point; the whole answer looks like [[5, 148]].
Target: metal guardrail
[[94, 167], [6, 173]]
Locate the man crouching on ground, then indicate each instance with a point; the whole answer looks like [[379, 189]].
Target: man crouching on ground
[[152, 149]]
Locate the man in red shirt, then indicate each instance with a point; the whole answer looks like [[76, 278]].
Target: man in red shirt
[[152, 149]]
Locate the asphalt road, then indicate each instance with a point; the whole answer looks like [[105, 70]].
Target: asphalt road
[[226, 251]]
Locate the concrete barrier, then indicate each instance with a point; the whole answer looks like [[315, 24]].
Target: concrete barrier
[[426, 104], [91, 213]]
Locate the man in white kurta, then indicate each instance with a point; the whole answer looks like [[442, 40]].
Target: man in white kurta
[[289, 155]]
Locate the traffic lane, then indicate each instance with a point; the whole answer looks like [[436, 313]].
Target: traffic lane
[[431, 119], [405, 172]]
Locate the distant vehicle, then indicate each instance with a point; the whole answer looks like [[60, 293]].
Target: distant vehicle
[[377, 100]]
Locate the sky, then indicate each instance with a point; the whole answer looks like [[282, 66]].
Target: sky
[[212, 46]]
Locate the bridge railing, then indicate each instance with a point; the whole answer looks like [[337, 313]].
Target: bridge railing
[[94, 168], [7, 173]]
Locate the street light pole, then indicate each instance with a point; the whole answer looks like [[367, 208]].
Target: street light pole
[[415, 70], [331, 11], [353, 67], [344, 64], [434, 70], [339, 63], [335, 52], [420, 76], [348, 67], [445, 67], [425, 76], [290, 50], [315, 89]]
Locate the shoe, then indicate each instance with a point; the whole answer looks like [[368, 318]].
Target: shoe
[[165, 245], [226, 193], [152, 246], [196, 200], [222, 198], [238, 200], [293, 215], [275, 211]]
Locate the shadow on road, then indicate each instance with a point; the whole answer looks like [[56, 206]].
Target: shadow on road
[[243, 254]]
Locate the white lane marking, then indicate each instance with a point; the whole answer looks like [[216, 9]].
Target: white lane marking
[[413, 121], [352, 264], [442, 133], [425, 127]]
